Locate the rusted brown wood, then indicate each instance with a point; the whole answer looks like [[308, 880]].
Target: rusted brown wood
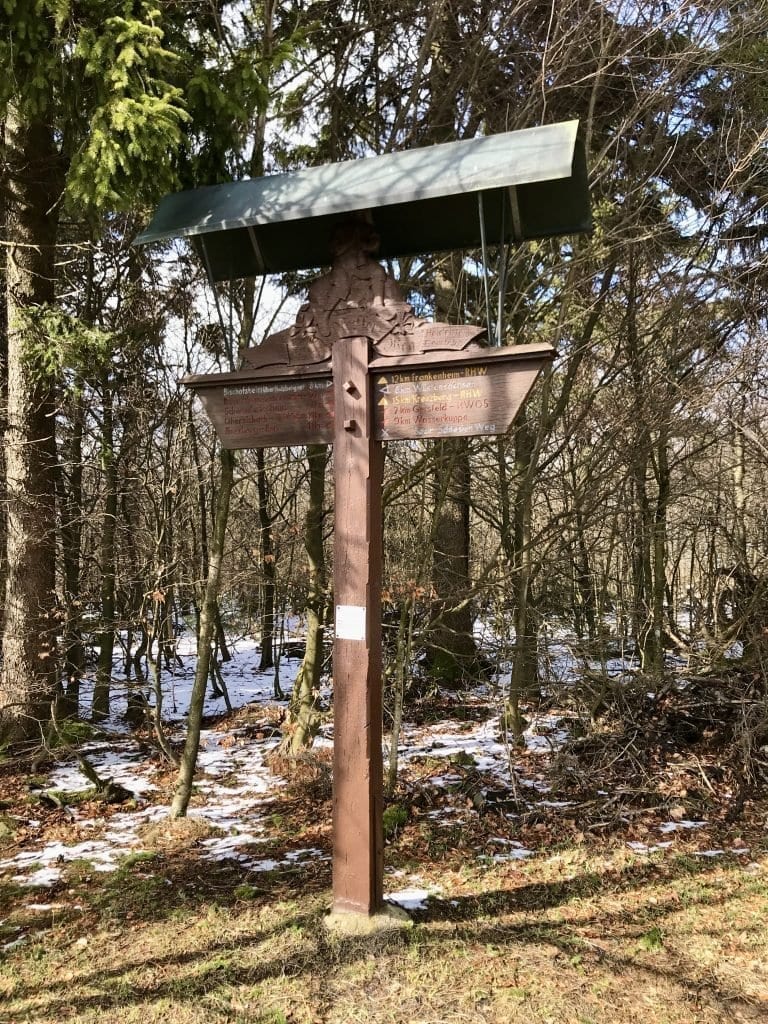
[[357, 767]]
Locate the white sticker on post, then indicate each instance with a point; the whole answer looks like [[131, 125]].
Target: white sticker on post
[[350, 622]]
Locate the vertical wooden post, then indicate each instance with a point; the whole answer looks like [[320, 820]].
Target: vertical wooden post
[[357, 766]]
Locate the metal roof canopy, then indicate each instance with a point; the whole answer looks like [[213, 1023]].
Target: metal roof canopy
[[526, 184]]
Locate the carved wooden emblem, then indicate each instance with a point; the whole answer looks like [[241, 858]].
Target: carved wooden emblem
[[357, 299]]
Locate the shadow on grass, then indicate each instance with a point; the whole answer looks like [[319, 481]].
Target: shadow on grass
[[308, 950], [533, 896]]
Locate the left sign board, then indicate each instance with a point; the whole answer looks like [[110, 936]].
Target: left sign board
[[253, 413]]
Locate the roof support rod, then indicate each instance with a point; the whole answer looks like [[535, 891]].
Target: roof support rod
[[260, 265], [256, 308], [514, 206], [226, 330], [502, 274], [484, 247], [504, 254]]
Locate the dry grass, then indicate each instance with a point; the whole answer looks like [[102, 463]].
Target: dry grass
[[586, 932], [570, 937]]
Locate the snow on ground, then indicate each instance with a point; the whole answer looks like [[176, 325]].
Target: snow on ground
[[481, 743], [409, 899], [120, 760], [679, 826], [232, 777], [245, 682], [413, 895], [510, 850], [234, 786]]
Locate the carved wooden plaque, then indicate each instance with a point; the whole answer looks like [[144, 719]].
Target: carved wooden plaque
[[260, 414]]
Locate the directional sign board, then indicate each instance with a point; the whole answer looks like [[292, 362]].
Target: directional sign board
[[251, 413], [424, 395], [473, 395], [360, 367], [355, 392]]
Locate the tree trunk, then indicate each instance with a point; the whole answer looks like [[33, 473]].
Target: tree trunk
[[525, 676], [660, 553], [303, 718], [643, 539], [28, 675], [452, 651], [106, 638], [267, 612], [71, 501], [3, 398], [188, 761]]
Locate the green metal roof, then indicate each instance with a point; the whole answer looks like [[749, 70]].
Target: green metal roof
[[533, 182]]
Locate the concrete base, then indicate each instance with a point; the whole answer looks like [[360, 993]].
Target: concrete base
[[348, 924]]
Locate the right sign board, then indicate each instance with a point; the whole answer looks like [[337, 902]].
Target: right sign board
[[469, 397]]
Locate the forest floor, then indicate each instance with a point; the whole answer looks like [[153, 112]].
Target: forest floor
[[606, 872]]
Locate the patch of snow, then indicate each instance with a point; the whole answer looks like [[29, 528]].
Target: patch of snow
[[735, 651], [310, 853], [229, 848], [443, 781], [444, 812], [42, 877], [262, 865], [618, 667], [538, 784], [244, 680], [648, 847], [478, 742], [102, 855], [409, 899], [226, 847], [545, 734], [514, 851], [123, 763], [709, 853], [674, 826]]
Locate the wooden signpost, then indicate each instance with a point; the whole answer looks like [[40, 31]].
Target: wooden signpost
[[358, 369]]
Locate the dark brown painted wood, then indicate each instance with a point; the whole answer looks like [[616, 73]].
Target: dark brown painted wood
[[250, 413], [452, 400], [357, 368], [357, 767]]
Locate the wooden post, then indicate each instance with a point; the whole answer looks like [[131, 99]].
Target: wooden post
[[357, 765], [398, 378]]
